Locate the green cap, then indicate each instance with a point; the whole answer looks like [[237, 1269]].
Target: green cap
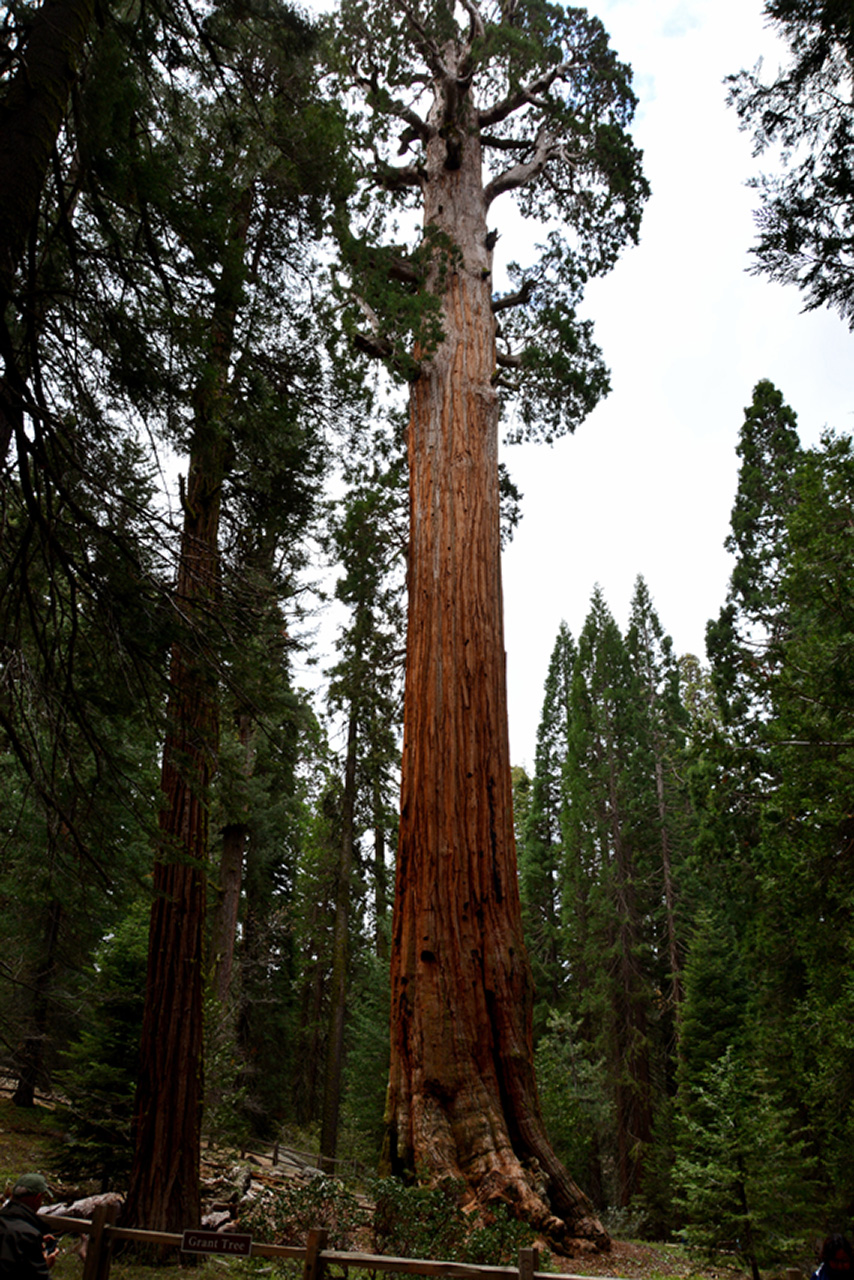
[[30, 1184]]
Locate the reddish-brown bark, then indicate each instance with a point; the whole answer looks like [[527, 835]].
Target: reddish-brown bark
[[462, 1096], [163, 1192], [234, 836]]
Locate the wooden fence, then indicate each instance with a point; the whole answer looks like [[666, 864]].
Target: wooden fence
[[315, 1257]]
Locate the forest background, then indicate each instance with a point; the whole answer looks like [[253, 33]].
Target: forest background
[[684, 837]]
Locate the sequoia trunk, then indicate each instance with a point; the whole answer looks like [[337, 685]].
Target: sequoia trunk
[[462, 1097], [164, 1190]]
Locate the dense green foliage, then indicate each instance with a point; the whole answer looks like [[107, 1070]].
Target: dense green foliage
[[805, 114], [98, 1075], [686, 834], [550, 100], [685, 840]]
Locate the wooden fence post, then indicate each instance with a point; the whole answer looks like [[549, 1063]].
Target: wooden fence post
[[529, 1261], [316, 1243], [100, 1247]]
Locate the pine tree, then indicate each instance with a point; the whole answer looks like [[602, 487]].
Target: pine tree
[[802, 936], [743, 1171], [35, 83], [541, 847], [662, 733], [99, 1071], [367, 535], [752, 624], [606, 884], [77, 745]]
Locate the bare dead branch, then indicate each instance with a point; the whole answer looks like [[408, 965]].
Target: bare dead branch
[[529, 93], [505, 144], [517, 299], [507, 361], [519, 175], [395, 177], [477, 27], [372, 345]]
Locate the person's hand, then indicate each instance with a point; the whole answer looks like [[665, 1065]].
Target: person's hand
[[51, 1250]]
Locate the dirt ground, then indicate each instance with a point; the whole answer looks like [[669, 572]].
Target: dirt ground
[[642, 1262]]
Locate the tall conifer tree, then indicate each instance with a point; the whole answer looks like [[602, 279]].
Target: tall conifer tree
[[525, 98], [541, 853]]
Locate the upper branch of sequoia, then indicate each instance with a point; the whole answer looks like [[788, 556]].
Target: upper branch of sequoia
[[532, 94], [541, 96], [425, 43], [477, 29], [545, 148]]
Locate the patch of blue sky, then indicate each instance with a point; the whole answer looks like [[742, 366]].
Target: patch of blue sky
[[680, 21]]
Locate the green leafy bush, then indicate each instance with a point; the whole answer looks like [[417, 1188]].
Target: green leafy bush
[[286, 1215], [429, 1222], [418, 1222]]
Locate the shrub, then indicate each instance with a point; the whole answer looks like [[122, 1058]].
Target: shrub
[[286, 1215], [429, 1222]]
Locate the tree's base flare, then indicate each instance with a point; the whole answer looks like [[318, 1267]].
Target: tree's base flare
[[582, 1233]]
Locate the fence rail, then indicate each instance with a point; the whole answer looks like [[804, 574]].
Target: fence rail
[[314, 1256]]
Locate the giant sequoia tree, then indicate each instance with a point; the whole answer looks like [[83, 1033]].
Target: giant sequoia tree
[[489, 99]]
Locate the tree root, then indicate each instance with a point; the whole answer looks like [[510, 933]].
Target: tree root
[[580, 1232]]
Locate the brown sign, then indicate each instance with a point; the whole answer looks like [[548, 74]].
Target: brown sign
[[216, 1242]]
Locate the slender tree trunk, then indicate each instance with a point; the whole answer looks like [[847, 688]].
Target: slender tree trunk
[[462, 1098], [380, 880], [633, 1091], [164, 1191], [224, 926], [340, 949], [311, 1048], [669, 892], [630, 1066], [234, 837], [31, 1070]]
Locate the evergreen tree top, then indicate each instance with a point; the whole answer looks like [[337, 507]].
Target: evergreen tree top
[[538, 90], [806, 114]]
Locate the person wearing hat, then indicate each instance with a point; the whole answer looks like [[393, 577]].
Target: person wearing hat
[[23, 1255]]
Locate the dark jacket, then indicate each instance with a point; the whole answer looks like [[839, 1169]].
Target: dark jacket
[[21, 1235]]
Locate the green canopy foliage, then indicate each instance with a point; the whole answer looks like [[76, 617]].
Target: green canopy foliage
[[805, 115]]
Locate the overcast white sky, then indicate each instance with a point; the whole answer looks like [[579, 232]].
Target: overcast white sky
[[647, 483]]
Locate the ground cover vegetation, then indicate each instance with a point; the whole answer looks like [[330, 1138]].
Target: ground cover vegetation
[[213, 902]]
